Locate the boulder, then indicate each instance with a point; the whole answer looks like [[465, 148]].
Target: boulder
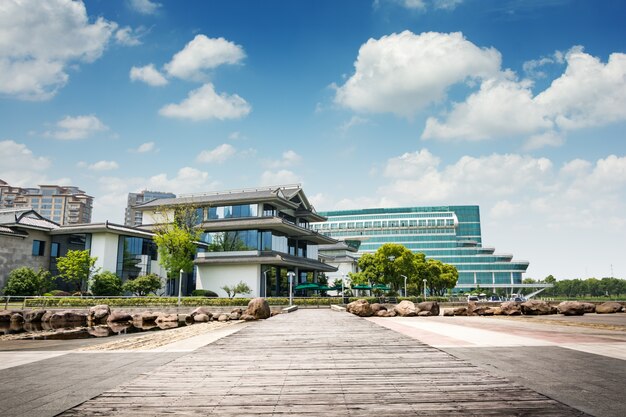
[[67, 319], [167, 318], [247, 317], [201, 318], [99, 313], [259, 308], [589, 307], [461, 311], [448, 312], [146, 317], [381, 313], [35, 326], [100, 331], [236, 310], [474, 309], [430, 306], [17, 318], [167, 325], [376, 307], [405, 308], [571, 308], [201, 310], [234, 316], [535, 308], [5, 315], [47, 316], [609, 307], [495, 311], [34, 316], [275, 313], [424, 313], [223, 317], [119, 316], [511, 308], [119, 326], [361, 308]]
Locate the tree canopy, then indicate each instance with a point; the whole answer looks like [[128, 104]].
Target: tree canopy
[[76, 267], [25, 281], [143, 285]]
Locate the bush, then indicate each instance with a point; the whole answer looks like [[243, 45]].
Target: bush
[[25, 281], [59, 293], [203, 293], [106, 283], [143, 285]]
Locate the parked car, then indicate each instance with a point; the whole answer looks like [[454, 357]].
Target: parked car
[[518, 299], [472, 298], [494, 299]]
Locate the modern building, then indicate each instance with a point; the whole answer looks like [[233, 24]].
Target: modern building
[[28, 239], [60, 204], [132, 216], [256, 236], [451, 234]]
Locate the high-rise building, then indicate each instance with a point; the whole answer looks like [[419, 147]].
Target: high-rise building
[[450, 234], [60, 204], [132, 216]]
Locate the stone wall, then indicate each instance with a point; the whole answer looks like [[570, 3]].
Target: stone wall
[[16, 252]]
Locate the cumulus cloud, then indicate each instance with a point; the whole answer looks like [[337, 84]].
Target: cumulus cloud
[[39, 40], [20, 166], [204, 104], [589, 93], [144, 6], [288, 158], [403, 72], [79, 127], [424, 5], [145, 148], [218, 155], [128, 36], [148, 74], [354, 121], [99, 166], [202, 54], [280, 177]]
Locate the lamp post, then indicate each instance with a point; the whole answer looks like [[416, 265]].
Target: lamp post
[[180, 285], [290, 274], [343, 278], [404, 276], [424, 281]]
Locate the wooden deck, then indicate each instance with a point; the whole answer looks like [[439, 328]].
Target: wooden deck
[[319, 363]]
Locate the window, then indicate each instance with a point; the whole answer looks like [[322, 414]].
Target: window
[[39, 247], [54, 250]]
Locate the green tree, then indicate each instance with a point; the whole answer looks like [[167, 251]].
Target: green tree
[[25, 281], [106, 283], [241, 288], [176, 240], [143, 285], [76, 267]]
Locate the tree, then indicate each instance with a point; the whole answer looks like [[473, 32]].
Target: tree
[[25, 281], [106, 283], [143, 285], [76, 267], [241, 288], [175, 239]]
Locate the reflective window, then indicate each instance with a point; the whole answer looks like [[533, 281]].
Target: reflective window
[[39, 247], [229, 212]]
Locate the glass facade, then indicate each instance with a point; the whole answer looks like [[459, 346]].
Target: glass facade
[[133, 256], [450, 234]]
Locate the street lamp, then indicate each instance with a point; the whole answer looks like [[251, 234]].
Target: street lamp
[[291, 274], [404, 276], [343, 278], [180, 285], [424, 281]]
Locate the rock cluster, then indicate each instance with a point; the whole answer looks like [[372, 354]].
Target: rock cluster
[[405, 308]]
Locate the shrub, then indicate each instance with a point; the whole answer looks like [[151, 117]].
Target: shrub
[[25, 281], [106, 283], [241, 288], [203, 293], [59, 293], [143, 285]]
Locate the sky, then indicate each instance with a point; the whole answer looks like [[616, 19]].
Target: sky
[[518, 106]]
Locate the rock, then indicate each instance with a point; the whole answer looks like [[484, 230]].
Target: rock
[[5, 315], [119, 326], [460, 311], [424, 313], [259, 308], [360, 308], [47, 316], [247, 317], [237, 310], [99, 313], [406, 308], [17, 318], [35, 326], [376, 307], [183, 318], [275, 313], [100, 331], [609, 307], [223, 317], [167, 318], [589, 307], [391, 313], [535, 308], [167, 325], [496, 311], [67, 318], [234, 316], [430, 306], [571, 308], [201, 310], [479, 310], [381, 313], [34, 316], [511, 308], [201, 318], [448, 312], [119, 316], [146, 317]]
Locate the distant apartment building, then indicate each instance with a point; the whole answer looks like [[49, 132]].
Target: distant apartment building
[[133, 217], [61, 204]]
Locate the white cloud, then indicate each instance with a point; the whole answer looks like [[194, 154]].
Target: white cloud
[[99, 166], [589, 93], [202, 54], [204, 103], [446, 4], [79, 127], [414, 4], [144, 6], [20, 167], [129, 37], [39, 40], [424, 5], [280, 177], [148, 74], [145, 148], [288, 158], [218, 155], [354, 121], [404, 72], [504, 209], [235, 136]]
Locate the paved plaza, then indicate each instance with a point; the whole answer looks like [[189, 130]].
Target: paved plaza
[[315, 362]]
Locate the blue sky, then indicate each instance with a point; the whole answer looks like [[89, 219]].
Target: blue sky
[[517, 106]]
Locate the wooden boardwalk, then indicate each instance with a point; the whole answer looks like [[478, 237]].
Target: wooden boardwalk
[[319, 363]]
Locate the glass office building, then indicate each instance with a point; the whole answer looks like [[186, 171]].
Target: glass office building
[[450, 234]]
